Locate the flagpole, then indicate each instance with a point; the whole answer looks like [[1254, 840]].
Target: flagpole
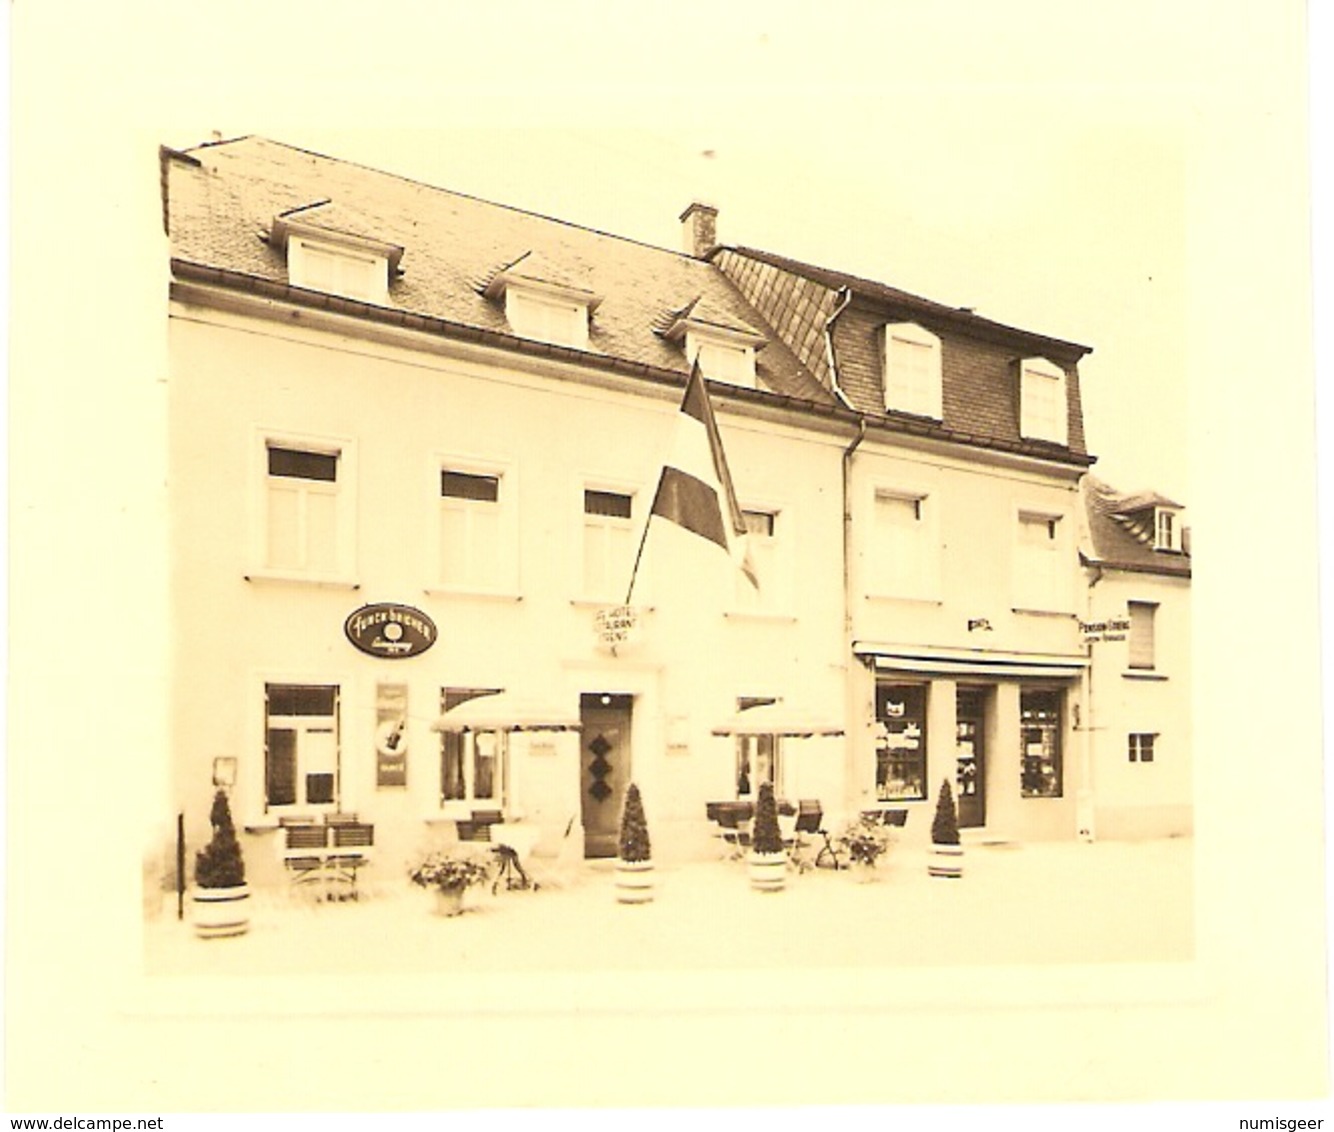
[[634, 573]]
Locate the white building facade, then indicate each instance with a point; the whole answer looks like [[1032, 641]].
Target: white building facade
[[414, 440]]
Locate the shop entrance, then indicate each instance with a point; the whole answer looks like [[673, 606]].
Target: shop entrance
[[604, 767], [971, 754]]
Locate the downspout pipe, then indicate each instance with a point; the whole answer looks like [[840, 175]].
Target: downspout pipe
[[851, 700], [845, 297]]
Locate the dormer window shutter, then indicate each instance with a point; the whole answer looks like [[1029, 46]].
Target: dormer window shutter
[[1043, 411], [912, 365]]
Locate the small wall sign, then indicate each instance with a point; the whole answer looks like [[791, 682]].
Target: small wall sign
[[390, 631], [391, 735], [1113, 629], [617, 626]]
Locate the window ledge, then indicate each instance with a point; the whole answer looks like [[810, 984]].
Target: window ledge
[[603, 603], [1027, 612], [477, 594], [282, 577], [914, 599], [775, 616], [1144, 674]]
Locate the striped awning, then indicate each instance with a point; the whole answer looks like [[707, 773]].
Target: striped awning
[[967, 662]]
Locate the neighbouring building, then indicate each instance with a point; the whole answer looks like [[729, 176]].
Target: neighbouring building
[[414, 439], [1136, 560]]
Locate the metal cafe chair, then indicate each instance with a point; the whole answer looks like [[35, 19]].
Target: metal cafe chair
[[734, 823]]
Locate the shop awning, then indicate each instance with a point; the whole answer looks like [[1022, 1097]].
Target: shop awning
[[969, 662]]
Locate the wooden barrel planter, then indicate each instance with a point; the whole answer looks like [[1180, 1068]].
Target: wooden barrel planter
[[221, 912]]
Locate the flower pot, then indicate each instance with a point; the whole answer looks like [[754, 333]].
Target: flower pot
[[945, 861], [863, 872], [768, 871], [449, 901], [221, 912], [634, 881]]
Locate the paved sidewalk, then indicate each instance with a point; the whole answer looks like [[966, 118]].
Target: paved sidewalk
[[1043, 903]]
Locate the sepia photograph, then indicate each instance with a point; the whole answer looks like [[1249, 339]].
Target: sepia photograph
[[655, 552]]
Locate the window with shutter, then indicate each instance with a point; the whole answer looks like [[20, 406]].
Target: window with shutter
[[1142, 617]]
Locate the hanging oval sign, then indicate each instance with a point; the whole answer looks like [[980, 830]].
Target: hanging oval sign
[[391, 631]]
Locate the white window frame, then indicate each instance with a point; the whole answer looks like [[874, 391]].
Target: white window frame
[[1027, 594], [1169, 517], [546, 316], [614, 593], [337, 269], [772, 556], [1042, 383], [901, 395], [300, 723], [344, 488], [722, 357], [504, 582], [883, 579]]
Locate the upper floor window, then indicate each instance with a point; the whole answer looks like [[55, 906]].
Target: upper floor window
[[300, 746], [1167, 529], [1041, 567], [308, 509], [912, 370], [608, 544], [477, 529], [719, 360], [905, 562], [547, 316], [338, 270], [1140, 747], [1042, 401], [1142, 617], [769, 542]]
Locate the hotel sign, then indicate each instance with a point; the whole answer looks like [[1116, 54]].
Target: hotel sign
[[1113, 629], [617, 625], [390, 631]]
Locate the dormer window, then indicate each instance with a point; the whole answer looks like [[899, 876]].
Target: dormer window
[[321, 266], [912, 370], [724, 345], [1167, 530], [322, 255], [547, 317], [540, 304], [1042, 401], [721, 360]]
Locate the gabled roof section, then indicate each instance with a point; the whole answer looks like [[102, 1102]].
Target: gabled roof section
[[219, 196], [698, 314], [912, 306], [538, 272], [1121, 532], [326, 220]]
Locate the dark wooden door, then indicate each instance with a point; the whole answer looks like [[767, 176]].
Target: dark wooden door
[[604, 768]]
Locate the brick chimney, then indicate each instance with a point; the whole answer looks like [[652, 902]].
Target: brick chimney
[[699, 229]]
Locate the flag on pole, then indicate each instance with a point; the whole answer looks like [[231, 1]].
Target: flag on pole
[[695, 490]]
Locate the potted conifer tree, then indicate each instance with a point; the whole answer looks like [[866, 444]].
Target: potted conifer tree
[[634, 860], [221, 896], [946, 851], [767, 861]]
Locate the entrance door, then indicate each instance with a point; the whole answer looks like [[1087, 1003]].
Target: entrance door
[[604, 768], [971, 785]]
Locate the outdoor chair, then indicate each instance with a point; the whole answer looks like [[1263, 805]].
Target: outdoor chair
[[556, 865], [735, 825], [808, 818], [303, 851], [352, 845]]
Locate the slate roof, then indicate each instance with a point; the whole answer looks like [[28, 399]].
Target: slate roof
[[1121, 532], [221, 199], [960, 318]]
